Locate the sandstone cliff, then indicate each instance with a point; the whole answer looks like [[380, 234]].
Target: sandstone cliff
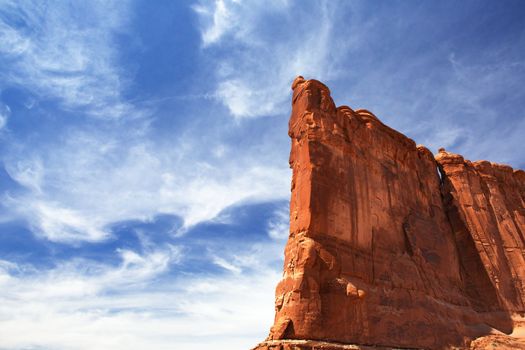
[[390, 246]]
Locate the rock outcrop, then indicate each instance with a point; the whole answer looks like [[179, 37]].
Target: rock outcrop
[[390, 246]]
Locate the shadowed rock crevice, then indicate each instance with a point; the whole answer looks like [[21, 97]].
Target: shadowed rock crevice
[[385, 251]]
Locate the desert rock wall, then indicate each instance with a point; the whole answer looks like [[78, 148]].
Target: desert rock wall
[[383, 250]]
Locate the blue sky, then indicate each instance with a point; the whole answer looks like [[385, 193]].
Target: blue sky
[[144, 176]]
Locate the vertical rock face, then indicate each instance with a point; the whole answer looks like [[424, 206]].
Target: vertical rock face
[[385, 249], [486, 210]]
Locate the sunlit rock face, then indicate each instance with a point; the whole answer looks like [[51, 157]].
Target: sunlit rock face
[[390, 246]]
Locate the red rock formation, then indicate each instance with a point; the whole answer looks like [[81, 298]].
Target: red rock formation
[[384, 252]]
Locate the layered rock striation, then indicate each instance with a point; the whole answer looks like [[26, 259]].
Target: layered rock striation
[[390, 246]]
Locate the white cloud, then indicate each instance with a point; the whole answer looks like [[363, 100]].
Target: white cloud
[[135, 305], [5, 111], [65, 51], [272, 46], [279, 225], [220, 18], [64, 224], [223, 18], [226, 265], [256, 257], [27, 171], [112, 170], [76, 191]]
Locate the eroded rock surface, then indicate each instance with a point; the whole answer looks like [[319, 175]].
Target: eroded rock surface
[[383, 249]]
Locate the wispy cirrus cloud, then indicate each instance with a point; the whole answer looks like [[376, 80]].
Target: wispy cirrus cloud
[[442, 95], [5, 111], [279, 225], [259, 47], [139, 302], [464, 104], [486, 98], [74, 193], [90, 175], [226, 19], [66, 51]]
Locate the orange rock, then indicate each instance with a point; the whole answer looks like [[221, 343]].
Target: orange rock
[[487, 212], [383, 250]]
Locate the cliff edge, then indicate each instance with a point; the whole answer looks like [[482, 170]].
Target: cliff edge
[[390, 246]]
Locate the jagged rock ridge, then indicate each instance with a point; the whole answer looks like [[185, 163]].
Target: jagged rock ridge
[[384, 251]]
